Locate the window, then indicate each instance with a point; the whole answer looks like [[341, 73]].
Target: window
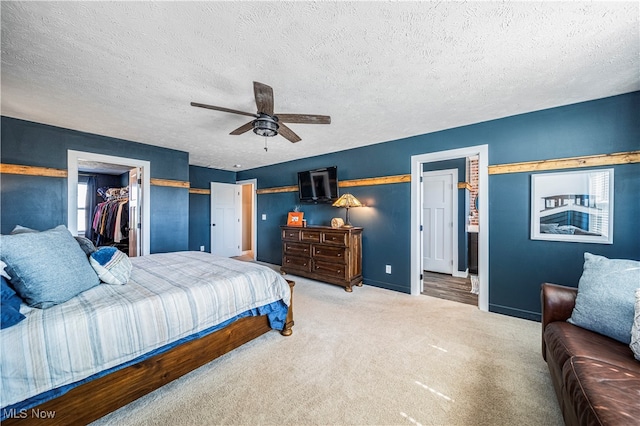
[[82, 207]]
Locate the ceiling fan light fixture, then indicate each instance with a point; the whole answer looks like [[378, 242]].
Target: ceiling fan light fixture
[[266, 126]]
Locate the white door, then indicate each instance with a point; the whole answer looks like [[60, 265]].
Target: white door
[[135, 228], [226, 208], [437, 220]]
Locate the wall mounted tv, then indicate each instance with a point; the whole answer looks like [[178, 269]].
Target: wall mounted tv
[[319, 185]]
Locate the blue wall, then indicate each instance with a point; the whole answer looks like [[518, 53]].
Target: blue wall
[[517, 265], [41, 202]]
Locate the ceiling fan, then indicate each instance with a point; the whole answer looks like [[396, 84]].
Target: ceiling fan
[[267, 123]]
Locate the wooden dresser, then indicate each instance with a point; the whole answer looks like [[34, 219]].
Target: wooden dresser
[[322, 253]]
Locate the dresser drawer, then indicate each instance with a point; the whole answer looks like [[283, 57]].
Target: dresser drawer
[[291, 234], [309, 236], [333, 270], [297, 249], [335, 238], [329, 254], [294, 262]]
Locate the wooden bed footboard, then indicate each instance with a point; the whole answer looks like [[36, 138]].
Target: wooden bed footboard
[[97, 398]]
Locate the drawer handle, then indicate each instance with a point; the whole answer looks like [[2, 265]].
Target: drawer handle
[[339, 254]]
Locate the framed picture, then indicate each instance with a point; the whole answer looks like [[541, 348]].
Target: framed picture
[[573, 206], [295, 219]]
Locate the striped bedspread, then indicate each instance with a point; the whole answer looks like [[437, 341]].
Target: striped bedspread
[[169, 296]]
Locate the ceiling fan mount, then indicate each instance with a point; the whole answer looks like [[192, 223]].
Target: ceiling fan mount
[[265, 122]]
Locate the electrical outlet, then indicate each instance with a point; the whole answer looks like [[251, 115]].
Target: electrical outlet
[[201, 248], [264, 216], [387, 269]]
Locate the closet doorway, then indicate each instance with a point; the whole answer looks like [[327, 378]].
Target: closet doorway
[[131, 173]]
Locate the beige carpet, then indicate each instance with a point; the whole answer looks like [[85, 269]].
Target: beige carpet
[[371, 357]]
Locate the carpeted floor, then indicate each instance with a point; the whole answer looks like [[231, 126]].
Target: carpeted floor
[[371, 357]]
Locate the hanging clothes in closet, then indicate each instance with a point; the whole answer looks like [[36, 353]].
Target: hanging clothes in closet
[[111, 218]]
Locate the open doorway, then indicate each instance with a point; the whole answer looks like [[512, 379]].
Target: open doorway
[[417, 166], [138, 170], [249, 218]]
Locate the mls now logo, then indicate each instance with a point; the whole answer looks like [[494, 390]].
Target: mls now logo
[[23, 414]]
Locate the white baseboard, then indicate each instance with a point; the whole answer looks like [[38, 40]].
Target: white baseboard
[[461, 274]]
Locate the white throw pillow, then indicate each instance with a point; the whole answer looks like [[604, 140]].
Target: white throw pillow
[[111, 265]]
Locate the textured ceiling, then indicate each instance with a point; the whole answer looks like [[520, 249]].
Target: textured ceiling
[[381, 70]]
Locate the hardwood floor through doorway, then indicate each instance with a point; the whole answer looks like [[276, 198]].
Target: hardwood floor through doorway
[[447, 287]]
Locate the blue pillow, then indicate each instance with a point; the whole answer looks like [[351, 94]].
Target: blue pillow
[[46, 268], [9, 316], [606, 296], [8, 295], [9, 306]]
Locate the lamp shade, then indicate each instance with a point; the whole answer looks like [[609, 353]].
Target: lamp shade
[[347, 200]]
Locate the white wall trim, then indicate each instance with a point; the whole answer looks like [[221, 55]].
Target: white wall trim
[[72, 189], [483, 193]]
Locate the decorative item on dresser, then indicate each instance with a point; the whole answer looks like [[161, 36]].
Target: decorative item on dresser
[[332, 255], [347, 201]]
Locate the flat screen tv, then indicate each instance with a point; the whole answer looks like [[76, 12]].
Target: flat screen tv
[[319, 185]]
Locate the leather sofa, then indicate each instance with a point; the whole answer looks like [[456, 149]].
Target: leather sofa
[[596, 378]]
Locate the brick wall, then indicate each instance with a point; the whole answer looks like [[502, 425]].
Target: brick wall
[[473, 180]]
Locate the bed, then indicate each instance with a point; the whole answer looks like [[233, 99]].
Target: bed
[[79, 360]]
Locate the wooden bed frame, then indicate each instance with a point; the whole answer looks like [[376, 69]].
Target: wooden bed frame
[[97, 398]]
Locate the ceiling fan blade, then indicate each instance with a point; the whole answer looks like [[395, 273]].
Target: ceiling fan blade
[[242, 129], [304, 118], [217, 108], [264, 97], [288, 134]]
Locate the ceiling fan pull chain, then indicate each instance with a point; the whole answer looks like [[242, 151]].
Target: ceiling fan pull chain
[[265, 145]]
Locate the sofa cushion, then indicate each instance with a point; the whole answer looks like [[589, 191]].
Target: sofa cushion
[[566, 340], [605, 300], [48, 267], [600, 393]]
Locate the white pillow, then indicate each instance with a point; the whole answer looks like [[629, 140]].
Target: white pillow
[[2, 271], [111, 265], [635, 329]]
